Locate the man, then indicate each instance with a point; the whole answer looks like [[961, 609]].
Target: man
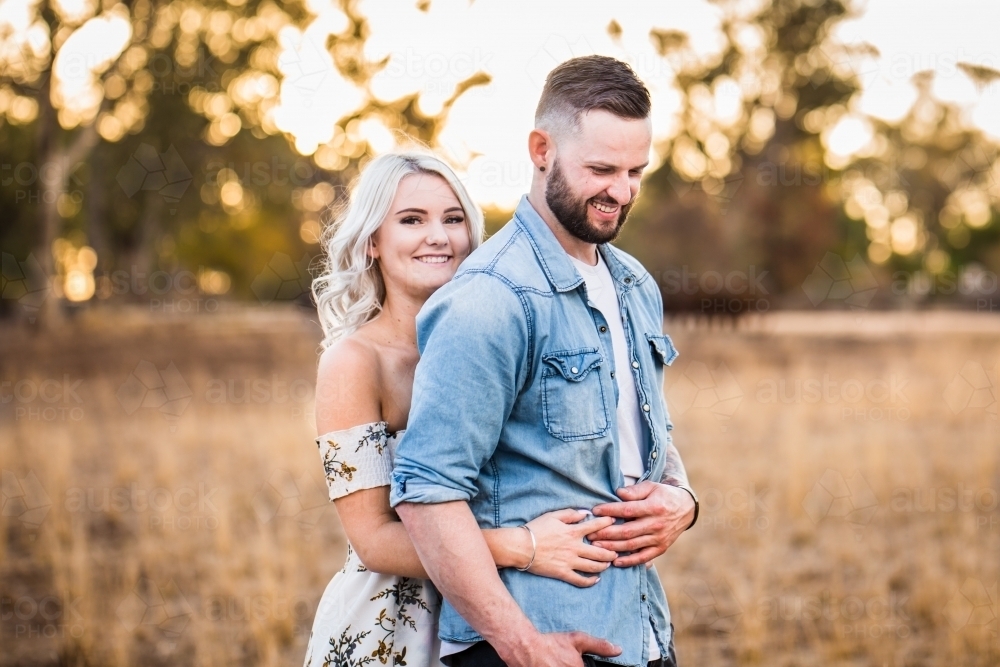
[[539, 389]]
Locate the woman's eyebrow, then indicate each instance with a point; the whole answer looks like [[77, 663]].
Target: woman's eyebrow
[[422, 211]]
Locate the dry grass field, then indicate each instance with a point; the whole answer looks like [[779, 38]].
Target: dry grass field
[[163, 501]]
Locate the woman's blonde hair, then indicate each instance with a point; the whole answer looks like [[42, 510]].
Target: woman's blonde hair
[[350, 290]]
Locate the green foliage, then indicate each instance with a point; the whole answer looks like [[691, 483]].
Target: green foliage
[[761, 192], [181, 168]]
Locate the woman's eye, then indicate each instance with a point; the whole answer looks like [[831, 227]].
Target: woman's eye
[[456, 220], [412, 220]]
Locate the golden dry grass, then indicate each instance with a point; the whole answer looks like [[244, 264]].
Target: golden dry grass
[[836, 529]]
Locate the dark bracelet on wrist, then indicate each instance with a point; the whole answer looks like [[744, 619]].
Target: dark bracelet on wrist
[[697, 505]]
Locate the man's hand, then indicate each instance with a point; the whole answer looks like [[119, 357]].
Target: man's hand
[[560, 649], [655, 515]]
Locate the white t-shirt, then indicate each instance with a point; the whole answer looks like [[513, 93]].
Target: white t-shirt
[[601, 292]]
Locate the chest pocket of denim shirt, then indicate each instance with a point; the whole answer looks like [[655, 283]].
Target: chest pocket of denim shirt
[[573, 405]]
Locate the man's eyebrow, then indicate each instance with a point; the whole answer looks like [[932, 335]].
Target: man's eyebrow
[[606, 165]]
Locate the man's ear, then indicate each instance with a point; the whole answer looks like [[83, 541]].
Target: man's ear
[[540, 149]]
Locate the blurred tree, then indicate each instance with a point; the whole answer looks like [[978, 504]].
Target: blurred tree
[[211, 137], [927, 202], [174, 134], [756, 181]]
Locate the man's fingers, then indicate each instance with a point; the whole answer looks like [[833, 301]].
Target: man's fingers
[[593, 525], [634, 544], [639, 557], [600, 554], [636, 491], [623, 510], [624, 531], [588, 644]]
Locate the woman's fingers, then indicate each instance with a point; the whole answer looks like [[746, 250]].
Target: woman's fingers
[[579, 580], [568, 515], [592, 566], [585, 528], [591, 552]]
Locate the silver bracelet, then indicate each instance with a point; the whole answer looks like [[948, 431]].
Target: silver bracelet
[[534, 548]]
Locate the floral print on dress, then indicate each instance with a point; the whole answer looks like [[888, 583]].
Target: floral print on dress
[[356, 458], [366, 618], [375, 436], [353, 561], [342, 650], [405, 592], [335, 467]]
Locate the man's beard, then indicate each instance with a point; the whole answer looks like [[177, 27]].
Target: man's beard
[[572, 212]]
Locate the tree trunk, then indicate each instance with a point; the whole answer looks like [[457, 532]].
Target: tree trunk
[[58, 164], [140, 255], [95, 212]]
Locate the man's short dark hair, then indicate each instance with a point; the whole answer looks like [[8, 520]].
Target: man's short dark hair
[[586, 83]]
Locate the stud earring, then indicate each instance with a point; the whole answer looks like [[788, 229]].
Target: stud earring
[[541, 169]]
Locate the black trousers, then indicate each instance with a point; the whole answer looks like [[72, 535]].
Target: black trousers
[[481, 654]]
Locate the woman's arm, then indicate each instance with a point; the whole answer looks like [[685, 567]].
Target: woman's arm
[[383, 545], [348, 394], [377, 534]]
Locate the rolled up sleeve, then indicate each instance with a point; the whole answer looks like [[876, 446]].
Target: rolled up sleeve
[[473, 340]]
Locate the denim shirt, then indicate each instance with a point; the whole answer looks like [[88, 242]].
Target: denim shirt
[[514, 411]]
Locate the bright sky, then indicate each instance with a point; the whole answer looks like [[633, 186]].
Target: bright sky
[[925, 35], [518, 41]]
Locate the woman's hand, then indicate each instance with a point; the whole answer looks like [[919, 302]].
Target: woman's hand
[[561, 552]]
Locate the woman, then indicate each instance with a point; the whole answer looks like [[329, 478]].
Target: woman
[[409, 224]]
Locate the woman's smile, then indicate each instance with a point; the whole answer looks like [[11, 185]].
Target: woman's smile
[[433, 259]]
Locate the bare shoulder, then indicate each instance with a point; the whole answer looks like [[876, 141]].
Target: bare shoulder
[[347, 385]]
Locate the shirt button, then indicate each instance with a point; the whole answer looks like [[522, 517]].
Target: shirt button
[[643, 597], [653, 455], [635, 364], [604, 329], [645, 407], [574, 370], [628, 280], [612, 373]]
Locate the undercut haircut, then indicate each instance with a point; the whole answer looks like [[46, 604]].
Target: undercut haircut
[[583, 84]]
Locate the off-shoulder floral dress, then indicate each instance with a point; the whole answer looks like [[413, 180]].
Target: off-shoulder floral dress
[[366, 618]]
